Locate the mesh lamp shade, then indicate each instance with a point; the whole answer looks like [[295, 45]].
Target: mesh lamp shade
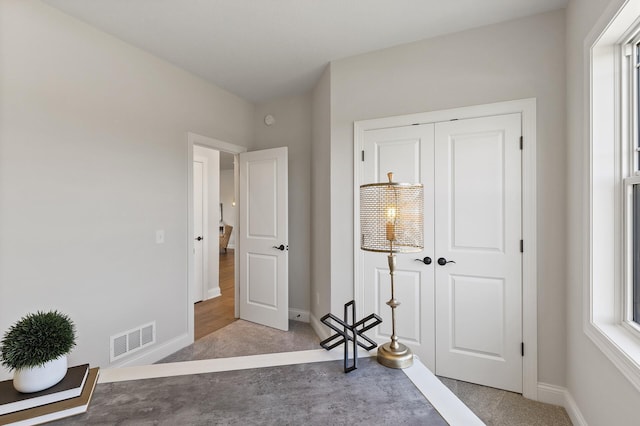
[[391, 217]]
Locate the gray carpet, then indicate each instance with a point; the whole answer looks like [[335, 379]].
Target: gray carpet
[[304, 394], [498, 407], [241, 338]]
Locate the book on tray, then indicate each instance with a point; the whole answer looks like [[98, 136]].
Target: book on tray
[[69, 387], [56, 404]]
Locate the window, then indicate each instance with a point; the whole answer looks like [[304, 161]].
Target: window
[[630, 166], [634, 296], [631, 55], [612, 224]]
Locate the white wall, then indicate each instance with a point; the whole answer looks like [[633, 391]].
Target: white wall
[[93, 160], [292, 128], [602, 394], [518, 59], [321, 197], [212, 233], [227, 196]]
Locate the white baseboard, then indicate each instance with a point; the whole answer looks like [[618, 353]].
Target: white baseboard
[[213, 293], [321, 330], [573, 411], [298, 315], [156, 352], [557, 395], [551, 394]]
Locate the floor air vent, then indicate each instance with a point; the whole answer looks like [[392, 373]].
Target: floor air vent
[[133, 340]]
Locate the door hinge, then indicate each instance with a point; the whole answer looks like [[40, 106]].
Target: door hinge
[[363, 155], [521, 142], [521, 246], [522, 348]]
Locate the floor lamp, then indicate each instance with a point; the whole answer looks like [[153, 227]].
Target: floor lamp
[[392, 221]]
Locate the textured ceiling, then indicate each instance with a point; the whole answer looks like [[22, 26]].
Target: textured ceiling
[[265, 49]]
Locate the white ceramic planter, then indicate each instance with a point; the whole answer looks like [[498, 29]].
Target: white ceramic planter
[[35, 379]]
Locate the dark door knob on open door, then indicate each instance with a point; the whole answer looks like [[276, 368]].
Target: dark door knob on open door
[[280, 247], [426, 260], [199, 238], [442, 261]]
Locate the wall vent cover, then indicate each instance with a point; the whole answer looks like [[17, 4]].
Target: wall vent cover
[[119, 345], [148, 334], [130, 341], [134, 340]]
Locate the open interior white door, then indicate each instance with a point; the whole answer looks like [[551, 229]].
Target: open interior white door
[[199, 227], [263, 239]]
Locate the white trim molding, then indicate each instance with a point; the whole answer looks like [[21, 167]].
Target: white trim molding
[[212, 293], [557, 395], [573, 411], [321, 330], [299, 315], [527, 109], [603, 222], [552, 394]]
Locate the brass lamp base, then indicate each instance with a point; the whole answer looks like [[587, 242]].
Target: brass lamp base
[[395, 358]]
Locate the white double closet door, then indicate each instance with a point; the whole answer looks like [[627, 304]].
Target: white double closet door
[[463, 318]]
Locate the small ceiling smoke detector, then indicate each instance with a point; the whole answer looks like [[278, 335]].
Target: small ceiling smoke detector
[[269, 119]]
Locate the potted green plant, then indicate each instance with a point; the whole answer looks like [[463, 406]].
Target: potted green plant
[[36, 347]]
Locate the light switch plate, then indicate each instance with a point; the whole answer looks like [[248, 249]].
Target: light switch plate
[[160, 236]]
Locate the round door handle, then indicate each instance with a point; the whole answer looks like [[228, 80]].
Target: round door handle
[[426, 260], [280, 247], [199, 238], [442, 261]]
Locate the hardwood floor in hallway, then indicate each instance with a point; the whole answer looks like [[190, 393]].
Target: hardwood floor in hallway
[[213, 314]]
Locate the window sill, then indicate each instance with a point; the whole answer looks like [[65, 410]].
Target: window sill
[[620, 345]]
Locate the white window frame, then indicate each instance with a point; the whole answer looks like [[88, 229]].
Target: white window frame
[[627, 285], [608, 243], [630, 52]]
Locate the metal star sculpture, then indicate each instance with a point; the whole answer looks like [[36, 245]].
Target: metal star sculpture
[[350, 332]]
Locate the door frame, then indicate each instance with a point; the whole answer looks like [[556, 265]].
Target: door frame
[[207, 142], [527, 109]]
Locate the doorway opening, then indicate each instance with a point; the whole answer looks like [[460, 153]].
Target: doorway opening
[[260, 249], [198, 145], [218, 309]]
